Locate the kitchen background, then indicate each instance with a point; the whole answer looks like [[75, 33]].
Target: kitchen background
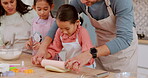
[[141, 20]]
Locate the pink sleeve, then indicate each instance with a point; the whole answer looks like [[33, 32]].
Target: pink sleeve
[[56, 46], [84, 39], [86, 42]]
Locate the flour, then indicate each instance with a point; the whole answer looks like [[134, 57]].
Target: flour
[[10, 54]]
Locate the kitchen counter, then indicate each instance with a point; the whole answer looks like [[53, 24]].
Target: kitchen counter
[[143, 41], [40, 72]]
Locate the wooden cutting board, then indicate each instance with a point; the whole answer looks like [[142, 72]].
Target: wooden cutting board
[[40, 72]]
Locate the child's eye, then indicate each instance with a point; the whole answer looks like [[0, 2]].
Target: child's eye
[[39, 9], [11, 1], [5, 3], [45, 9]]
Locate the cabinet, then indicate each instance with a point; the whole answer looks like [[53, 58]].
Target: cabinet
[[143, 58]]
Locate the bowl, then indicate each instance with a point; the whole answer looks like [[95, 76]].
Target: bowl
[[128, 75], [10, 54]]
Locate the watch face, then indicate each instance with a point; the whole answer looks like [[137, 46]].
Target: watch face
[[93, 50]]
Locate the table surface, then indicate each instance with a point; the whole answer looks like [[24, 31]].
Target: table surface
[[40, 72]]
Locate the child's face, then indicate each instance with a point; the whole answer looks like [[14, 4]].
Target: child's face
[[43, 9], [9, 6], [67, 28]]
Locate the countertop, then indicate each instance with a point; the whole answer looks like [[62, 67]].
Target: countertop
[[143, 41], [40, 72]]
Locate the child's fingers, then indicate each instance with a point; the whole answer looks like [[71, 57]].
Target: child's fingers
[[33, 59], [39, 59], [70, 64], [75, 66], [28, 45], [66, 63]]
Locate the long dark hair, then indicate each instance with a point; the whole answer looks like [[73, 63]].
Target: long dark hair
[[50, 2], [67, 12], [20, 7]]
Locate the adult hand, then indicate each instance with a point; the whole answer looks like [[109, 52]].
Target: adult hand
[[77, 62]]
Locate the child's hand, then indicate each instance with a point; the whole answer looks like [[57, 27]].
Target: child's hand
[[28, 44], [36, 46], [38, 57]]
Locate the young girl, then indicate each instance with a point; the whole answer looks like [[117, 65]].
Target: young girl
[[71, 39], [41, 24]]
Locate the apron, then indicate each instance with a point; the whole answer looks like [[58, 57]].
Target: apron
[[125, 60], [16, 34], [70, 50], [39, 31]]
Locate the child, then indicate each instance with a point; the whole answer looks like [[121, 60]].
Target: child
[[41, 24], [71, 38]]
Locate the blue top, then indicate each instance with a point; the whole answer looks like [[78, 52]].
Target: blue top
[[122, 9]]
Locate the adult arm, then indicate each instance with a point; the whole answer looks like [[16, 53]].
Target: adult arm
[[124, 22], [123, 10], [124, 25]]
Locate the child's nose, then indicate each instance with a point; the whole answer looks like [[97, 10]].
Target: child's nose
[[65, 32], [9, 5], [42, 12]]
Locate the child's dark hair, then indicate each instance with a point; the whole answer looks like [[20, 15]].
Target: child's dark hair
[[20, 7], [50, 2], [67, 12]]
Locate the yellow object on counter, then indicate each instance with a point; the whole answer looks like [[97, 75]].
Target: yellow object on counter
[[28, 71], [15, 70]]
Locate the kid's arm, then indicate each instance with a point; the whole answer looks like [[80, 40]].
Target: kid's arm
[[56, 46]]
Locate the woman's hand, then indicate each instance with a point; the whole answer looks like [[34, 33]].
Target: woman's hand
[[77, 62]]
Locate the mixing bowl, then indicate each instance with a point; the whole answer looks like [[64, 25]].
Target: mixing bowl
[[10, 54]]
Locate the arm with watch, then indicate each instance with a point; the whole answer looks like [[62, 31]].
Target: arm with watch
[[99, 51], [83, 58]]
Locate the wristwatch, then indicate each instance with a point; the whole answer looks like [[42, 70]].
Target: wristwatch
[[93, 51]]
